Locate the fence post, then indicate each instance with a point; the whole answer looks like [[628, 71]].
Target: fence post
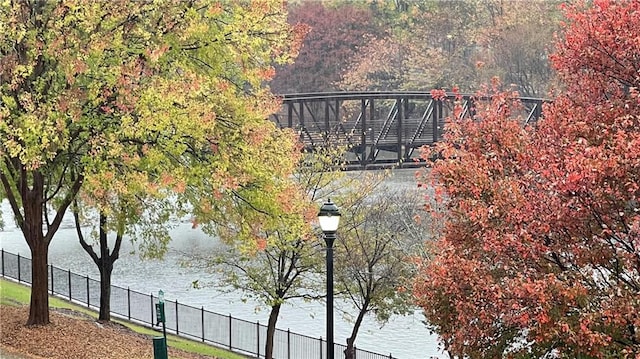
[[177, 330], [321, 347], [258, 338], [128, 303], [19, 268], [230, 322], [88, 296], [52, 281], [202, 321], [288, 343], [152, 324], [69, 277], [3, 262]]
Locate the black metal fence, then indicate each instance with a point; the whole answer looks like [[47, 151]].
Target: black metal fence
[[194, 323]]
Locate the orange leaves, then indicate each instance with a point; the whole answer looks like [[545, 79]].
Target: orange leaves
[[166, 179], [215, 9], [572, 183], [155, 54], [297, 35], [293, 200], [439, 95], [261, 243], [76, 67], [267, 73]]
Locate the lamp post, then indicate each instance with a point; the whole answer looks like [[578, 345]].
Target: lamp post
[[329, 218]]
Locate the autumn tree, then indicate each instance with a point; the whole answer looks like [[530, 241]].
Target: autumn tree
[[119, 98], [427, 45], [540, 252], [379, 237], [515, 44], [144, 218], [336, 31], [434, 44], [284, 259]]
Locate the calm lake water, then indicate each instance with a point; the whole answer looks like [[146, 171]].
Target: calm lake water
[[405, 337]]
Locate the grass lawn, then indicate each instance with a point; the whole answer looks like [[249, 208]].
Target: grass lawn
[[13, 294]]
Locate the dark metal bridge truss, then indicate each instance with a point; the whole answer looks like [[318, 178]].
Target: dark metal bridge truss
[[379, 129]]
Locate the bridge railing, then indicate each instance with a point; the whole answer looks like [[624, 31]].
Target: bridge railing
[[379, 128]]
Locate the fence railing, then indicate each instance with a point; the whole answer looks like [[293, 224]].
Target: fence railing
[[194, 323]]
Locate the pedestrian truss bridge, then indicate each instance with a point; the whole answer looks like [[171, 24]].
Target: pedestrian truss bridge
[[378, 129]]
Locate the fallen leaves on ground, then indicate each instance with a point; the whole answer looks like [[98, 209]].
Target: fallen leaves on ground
[[74, 335]]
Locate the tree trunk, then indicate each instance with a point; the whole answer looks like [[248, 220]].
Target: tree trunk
[[350, 352], [105, 289], [271, 330], [105, 265], [39, 246], [39, 305], [104, 262], [26, 189]]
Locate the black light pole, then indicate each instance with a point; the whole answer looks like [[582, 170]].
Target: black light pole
[[329, 218]]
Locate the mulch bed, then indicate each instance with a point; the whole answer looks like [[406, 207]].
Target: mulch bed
[[75, 335]]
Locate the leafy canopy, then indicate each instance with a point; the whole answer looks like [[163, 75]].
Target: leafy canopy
[[540, 250], [127, 100]]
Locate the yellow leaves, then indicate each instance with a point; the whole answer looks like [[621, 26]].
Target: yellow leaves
[[175, 109], [33, 139], [22, 70]]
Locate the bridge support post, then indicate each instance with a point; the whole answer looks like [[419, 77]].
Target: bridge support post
[[400, 131], [363, 133]]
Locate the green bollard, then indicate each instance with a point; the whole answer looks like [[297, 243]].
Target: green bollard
[[160, 343], [160, 348]]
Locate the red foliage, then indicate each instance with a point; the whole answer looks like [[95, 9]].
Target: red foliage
[[541, 248], [335, 33]]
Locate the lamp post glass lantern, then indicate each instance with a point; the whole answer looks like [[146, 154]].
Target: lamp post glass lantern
[[329, 219]]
